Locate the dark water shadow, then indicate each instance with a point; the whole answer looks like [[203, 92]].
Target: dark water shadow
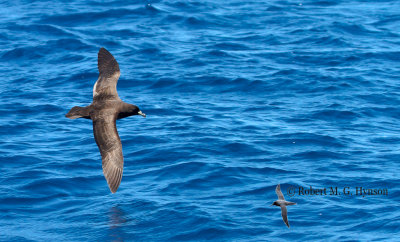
[[117, 220]]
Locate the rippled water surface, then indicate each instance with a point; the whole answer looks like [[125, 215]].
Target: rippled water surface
[[239, 96]]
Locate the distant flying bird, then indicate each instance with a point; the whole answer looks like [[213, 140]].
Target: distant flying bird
[[104, 111], [281, 202]]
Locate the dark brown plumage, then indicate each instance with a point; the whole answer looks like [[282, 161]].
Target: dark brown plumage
[[105, 109]]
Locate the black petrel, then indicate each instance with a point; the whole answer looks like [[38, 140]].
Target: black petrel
[[281, 202], [105, 109]]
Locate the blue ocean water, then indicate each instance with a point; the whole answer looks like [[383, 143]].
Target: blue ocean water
[[239, 95]]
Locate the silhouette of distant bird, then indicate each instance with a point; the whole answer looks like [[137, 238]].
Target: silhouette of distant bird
[[281, 202], [104, 111]]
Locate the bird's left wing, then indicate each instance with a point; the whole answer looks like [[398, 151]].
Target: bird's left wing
[[284, 215], [109, 143]]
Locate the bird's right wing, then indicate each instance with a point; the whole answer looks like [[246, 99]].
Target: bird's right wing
[[106, 84], [279, 193], [109, 143], [284, 215]]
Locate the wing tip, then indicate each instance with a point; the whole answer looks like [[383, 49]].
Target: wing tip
[[106, 62], [113, 178], [114, 187], [103, 50]]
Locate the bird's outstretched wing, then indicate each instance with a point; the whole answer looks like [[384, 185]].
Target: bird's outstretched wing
[[106, 84], [284, 215], [279, 193], [109, 143]]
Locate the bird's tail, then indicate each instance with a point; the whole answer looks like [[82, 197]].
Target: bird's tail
[[290, 203], [78, 112]]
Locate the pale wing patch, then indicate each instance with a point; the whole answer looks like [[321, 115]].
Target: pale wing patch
[[106, 85], [95, 87]]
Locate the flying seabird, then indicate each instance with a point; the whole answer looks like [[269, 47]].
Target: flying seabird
[[104, 111], [281, 202]]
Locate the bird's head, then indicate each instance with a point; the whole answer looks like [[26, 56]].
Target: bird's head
[[129, 110], [275, 203]]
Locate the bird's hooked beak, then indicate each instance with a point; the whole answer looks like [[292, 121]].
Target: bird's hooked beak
[[143, 114]]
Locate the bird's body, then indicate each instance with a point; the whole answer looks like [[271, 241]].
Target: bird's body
[[281, 202], [105, 109]]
